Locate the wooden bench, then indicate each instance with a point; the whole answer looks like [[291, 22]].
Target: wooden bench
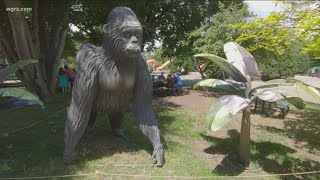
[[186, 89], [282, 107]]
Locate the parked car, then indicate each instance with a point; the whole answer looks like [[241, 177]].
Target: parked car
[[315, 71]]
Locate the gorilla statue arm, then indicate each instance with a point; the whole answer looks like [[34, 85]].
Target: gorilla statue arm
[[85, 89], [143, 111]]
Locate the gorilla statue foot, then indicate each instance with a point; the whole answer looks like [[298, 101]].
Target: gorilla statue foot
[[118, 132], [67, 158], [90, 128], [158, 155]]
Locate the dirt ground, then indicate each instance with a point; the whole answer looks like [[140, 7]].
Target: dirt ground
[[195, 101]]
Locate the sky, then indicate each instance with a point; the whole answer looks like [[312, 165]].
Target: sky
[[263, 8]]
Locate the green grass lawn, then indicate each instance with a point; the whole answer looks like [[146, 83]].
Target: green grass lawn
[[37, 151], [189, 148]]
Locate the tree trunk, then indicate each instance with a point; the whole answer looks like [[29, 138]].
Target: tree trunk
[[25, 49], [1, 58], [244, 148], [20, 42], [57, 42]]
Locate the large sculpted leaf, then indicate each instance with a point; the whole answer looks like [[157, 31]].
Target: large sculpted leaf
[[4, 73], [219, 86], [276, 96], [241, 59], [215, 83], [314, 92], [269, 95], [225, 65], [21, 94], [296, 102], [223, 109]]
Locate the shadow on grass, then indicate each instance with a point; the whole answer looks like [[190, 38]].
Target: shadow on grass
[[305, 127], [274, 158], [37, 151], [107, 150], [230, 164], [161, 102], [302, 126]]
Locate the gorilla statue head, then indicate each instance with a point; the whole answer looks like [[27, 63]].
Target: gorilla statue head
[[123, 33]]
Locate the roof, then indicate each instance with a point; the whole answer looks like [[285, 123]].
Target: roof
[[316, 67]]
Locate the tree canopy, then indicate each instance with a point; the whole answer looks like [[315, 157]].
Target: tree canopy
[[44, 33], [184, 27], [283, 42], [215, 31]]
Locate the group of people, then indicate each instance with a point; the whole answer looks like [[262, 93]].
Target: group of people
[[65, 79], [172, 82]]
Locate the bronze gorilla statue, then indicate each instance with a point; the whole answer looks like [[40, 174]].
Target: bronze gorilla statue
[[113, 78]]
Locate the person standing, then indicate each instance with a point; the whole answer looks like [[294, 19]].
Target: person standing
[[177, 83], [161, 79], [63, 81], [70, 76]]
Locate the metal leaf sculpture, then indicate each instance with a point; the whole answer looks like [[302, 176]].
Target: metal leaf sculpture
[[241, 58], [225, 65], [5, 72]]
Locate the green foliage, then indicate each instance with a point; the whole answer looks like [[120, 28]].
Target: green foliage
[[213, 33], [168, 21], [287, 65], [157, 54], [284, 42], [188, 16], [272, 37], [165, 20], [70, 50], [185, 62], [217, 31], [304, 16]]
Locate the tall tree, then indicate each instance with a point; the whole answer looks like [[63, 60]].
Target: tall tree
[[2, 59], [212, 35], [40, 35], [282, 42], [169, 21], [304, 17]]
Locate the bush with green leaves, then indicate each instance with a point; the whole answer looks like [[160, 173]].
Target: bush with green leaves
[[291, 62], [241, 66]]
